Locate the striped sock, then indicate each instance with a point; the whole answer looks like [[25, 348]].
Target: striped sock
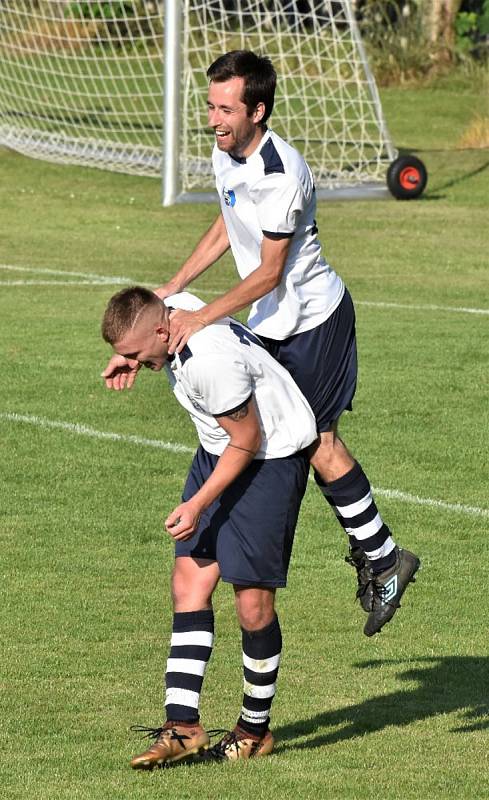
[[351, 499], [191, 648], [261, 658]]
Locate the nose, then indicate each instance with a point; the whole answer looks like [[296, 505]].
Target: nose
[[213, 117]]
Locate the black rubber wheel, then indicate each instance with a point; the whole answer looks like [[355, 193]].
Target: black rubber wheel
[[407, 177]]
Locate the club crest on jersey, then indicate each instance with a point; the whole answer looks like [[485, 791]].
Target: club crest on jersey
[[229, 197]]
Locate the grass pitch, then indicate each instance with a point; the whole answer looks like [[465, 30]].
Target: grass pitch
[[85, 611]]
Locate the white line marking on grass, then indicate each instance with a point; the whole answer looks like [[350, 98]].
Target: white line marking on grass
[[380, 304], [62, 283], [405, 497], [458, 310], [88, 275], [84, 430], [116, 280]]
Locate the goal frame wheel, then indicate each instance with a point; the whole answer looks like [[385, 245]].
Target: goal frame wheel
[[407, 177]]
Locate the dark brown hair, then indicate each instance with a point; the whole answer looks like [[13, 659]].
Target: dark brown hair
[[259, 76]]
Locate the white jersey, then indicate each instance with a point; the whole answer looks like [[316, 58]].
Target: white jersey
[[272, 192], [217, 372]]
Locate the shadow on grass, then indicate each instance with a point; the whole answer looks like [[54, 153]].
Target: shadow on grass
[[460, 179], [445, 685]]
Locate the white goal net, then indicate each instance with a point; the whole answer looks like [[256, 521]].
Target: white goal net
[[82, 83]]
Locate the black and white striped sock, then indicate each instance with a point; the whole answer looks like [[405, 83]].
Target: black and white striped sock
[[191, 648], [351, 499], [261, 658]]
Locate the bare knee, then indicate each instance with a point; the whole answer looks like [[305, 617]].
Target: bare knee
[[330, 457], [324, 447], [193, 583], [255, 607]]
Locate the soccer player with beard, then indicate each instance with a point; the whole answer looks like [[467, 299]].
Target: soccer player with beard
[[300, 307]]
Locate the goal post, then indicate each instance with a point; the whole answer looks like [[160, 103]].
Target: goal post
[[171, 117], [121, 85]]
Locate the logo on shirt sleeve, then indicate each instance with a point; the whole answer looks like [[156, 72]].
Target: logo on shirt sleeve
[[229, 197], [196, 405]]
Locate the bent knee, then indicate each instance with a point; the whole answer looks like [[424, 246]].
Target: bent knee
[[326, 448]]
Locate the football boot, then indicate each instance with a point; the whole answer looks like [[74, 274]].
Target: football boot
[[388, 587], [358, 559], [173, 742], [238, 744]]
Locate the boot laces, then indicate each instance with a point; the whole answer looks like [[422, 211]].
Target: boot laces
[[364, 577], [229, 740], [155, 733]]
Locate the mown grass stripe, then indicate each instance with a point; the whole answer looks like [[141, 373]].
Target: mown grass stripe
[[84, 430]]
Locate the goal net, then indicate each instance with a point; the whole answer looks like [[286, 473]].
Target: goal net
[[82, 83]]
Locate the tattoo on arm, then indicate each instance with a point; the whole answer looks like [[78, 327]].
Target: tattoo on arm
[[241, 413]]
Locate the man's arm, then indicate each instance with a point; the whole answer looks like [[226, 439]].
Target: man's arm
[[262, 280], [117, 374], [244, 430], [211, 247]]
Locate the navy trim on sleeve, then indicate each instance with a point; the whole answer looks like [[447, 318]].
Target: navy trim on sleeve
[[185, 355], [233, 410], [277, 236], [271, 159], [186, 352]]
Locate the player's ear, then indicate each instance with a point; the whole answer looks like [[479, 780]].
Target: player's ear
[[259, 112], [162, 328], [162, 332]]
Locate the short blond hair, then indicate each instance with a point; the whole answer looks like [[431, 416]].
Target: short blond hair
[[123, 310]]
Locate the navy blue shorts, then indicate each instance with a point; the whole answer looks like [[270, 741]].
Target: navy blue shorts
[[323, 363], [250, 529]]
